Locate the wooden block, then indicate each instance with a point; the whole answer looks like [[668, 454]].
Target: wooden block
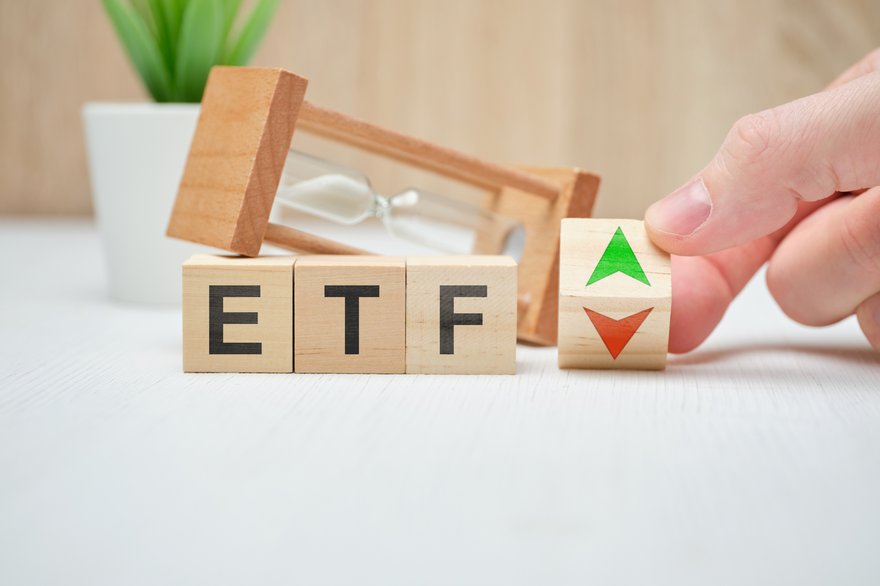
[[238, 314], [461, 315], [350, 314], [539, 264], [615, 296], [238, 151]]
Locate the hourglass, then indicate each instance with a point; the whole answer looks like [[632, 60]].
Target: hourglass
[[343, 195], [239, 161]]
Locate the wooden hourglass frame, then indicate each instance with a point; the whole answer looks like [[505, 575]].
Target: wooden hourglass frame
[[241, 142]]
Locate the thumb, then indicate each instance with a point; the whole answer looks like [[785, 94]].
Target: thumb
[[802, 151]]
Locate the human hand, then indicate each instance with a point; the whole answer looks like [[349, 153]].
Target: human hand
[[796, 186]]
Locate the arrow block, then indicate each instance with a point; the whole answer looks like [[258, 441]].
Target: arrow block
[[615, 296]]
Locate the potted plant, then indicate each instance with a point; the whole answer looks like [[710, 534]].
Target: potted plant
[[137, 151]]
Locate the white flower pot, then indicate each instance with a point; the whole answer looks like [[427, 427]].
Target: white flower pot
[[137, 152]]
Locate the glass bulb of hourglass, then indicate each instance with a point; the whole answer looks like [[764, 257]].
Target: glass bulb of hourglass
[[343, 195], [327, 190], [447, 224]]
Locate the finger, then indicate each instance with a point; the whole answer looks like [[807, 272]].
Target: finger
[[830, 263], [868, 314], [802, 151], [702, 289], [868, 64], [704, 286]]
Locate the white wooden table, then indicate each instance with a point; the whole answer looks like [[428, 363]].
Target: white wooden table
[[755, 460]]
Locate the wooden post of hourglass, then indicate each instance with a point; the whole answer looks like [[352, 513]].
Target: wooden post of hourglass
[[243, 135]]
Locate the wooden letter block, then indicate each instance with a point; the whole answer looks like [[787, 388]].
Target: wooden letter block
[[615, 296], [350, 314], [238, 314], [461, 315]]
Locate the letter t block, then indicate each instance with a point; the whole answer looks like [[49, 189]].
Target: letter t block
[[615, 296], [461, 315], [237, 314], [350, 314]]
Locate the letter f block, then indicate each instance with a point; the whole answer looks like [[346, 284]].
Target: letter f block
[[461, 315], [237, 314]]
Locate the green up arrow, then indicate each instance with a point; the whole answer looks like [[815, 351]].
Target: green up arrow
[[618, 258]]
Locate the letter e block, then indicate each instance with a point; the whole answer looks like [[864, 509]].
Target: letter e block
[[350, 314], [461, 315], [238, 314], [615, 296]]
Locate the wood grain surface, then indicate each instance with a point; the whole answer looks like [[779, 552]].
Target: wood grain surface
[[254, 296], [461, 315], [641, 92], [321, 321], [238, 150]]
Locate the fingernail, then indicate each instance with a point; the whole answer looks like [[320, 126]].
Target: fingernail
[[682, 211]]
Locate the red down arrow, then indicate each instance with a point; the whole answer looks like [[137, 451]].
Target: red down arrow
[[616, 333]]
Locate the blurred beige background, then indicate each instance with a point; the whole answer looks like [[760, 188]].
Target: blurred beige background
[[639, 91]]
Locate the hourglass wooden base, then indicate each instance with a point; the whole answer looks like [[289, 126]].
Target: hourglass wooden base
[[244, 131], [538, 294]]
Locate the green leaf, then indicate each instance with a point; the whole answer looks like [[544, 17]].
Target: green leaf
[[241, 50], [174, 43], [143, 9], [167, 15], [141, 47], [230, 10], [200, 47]]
